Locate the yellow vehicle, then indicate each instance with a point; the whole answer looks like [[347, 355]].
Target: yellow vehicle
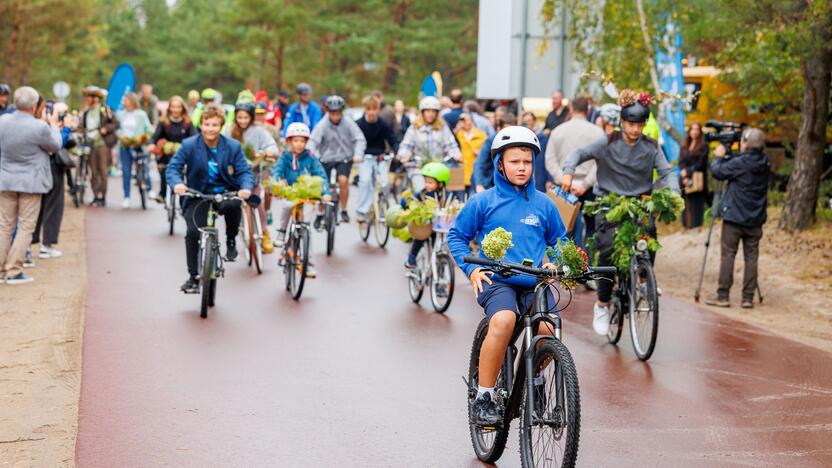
[[720, 101]]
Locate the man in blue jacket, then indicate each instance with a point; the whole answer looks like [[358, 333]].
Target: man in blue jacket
[[532, 217], [214, 164], [305, 110], [743, 212]]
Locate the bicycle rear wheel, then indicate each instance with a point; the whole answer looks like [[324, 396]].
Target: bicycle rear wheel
[[205, 273], [417, 276], [442, 285], [301, 256], [644, 310], [549, 433], [616, 321], [331, 223], [488, 443], [381, 227]]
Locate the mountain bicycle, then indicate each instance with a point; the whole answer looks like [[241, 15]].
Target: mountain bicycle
[[295, 257], [635, 295], [209, 259], [541, 387], [376, 217], [434, 267]]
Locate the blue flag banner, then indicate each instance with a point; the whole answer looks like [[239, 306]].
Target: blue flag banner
[[669, 67], [122, 82], [429, 87]]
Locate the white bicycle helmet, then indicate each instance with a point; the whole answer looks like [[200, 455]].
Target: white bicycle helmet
[[429, 102], [611, 113], [515, 136], [297, 129]]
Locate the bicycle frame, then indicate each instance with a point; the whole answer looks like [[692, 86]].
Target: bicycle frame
[[209, 236]]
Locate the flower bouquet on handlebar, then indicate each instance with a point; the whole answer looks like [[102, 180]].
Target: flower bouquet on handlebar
[[133, 142]]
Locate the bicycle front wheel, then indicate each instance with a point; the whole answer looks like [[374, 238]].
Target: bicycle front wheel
[[141, 173], [256, 239], [172, 213], [489, 443], [644, 310], [245, 233], [331, 223], [205, 274], [442, 285], [301, 256], [549, 432], [364, 227], [416, 277], [382, 229]]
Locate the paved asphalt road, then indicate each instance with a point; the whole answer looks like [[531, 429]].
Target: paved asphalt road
[[356, 375]]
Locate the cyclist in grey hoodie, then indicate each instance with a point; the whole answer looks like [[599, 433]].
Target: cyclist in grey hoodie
[[337, 143]]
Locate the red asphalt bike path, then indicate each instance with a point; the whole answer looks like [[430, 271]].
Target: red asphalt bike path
[[356, 375]]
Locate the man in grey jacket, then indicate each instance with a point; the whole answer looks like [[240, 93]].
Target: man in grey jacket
[[337, 142], [625, 162], [25, 175]]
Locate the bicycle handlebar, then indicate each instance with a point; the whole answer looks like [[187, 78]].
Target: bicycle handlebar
[[215, 197], [508, 269]]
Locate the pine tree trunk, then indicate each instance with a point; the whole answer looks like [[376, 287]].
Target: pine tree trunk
[[26, 62], [391, 62], [11, 52], [804, 182], [278, 62]]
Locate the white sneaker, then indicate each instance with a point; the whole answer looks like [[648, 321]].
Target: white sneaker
[[601, 321], [49, 252], [125, 203]]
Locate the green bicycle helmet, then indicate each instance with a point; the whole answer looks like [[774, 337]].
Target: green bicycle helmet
[[438, 171], [209, 93]]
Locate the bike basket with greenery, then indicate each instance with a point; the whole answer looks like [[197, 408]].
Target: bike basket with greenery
[[632, 216], [307, 187]]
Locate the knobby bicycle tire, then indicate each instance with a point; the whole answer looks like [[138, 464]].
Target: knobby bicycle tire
[[488, 453], [555, 353], [172, 213]]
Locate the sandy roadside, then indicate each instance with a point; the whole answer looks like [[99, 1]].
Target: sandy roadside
[[794, 272], [40, 356]]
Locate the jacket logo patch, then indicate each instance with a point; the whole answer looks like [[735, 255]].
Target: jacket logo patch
[[230, 170], [531, 220]]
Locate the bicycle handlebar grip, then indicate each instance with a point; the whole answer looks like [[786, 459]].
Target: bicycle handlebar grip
[[480, 261], [604, 270]]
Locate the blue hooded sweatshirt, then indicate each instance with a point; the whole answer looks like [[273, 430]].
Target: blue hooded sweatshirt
[[288, 168], [530, 215]]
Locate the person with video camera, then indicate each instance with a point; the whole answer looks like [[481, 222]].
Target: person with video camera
[[743, 212]]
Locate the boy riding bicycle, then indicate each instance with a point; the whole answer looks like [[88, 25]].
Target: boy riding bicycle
[[514, 204], [436, 177], [293, 163]]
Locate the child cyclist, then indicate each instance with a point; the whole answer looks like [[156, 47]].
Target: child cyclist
[[515, 205], [436, 177], [293, 163]]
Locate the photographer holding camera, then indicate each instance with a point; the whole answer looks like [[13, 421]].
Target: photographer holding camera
[[743, 211]]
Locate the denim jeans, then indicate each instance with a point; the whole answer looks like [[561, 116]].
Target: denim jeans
[[127, 170], [367, 172]]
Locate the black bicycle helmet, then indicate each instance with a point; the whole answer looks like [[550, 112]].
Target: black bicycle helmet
[[245, 107], [335, 103], [5, 89], [304, 89], [635, 112]]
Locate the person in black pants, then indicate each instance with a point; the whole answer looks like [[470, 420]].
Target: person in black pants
[[52, 203], [215, 164], [174, 127], [743, 211]]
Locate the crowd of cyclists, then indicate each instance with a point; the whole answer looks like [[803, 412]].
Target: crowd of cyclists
[[447, 148]]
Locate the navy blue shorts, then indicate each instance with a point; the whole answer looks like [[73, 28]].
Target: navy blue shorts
[[501, 296]]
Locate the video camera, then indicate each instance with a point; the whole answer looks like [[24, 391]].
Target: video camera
[[726, 133]]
